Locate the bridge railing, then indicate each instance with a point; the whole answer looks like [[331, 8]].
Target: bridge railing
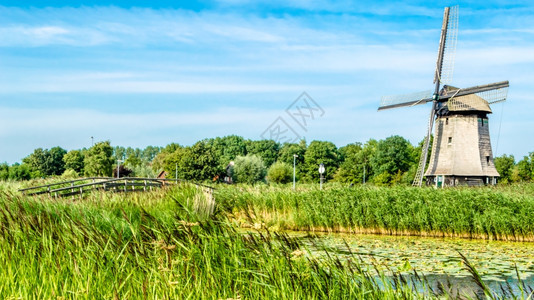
[[56, 185], [85, 185]]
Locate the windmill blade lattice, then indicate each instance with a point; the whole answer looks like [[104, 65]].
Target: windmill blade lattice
[[477, 101], [451, 39], [495, 96], [405, 100]]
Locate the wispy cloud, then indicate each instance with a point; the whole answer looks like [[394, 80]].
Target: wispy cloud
[[347, 54]]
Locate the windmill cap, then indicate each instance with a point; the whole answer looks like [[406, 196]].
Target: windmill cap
[[471, 102]]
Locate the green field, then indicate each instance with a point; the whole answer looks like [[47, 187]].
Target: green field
[[163, 244]]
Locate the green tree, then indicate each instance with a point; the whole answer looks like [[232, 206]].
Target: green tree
[[394, 155], [19, 172], [144, 171], [505, 166], [133, 161], [74, 161], [119, 153], [287, 150], [37, 162], [158, 163], [198, 162], [356, 165], [98, 160], [365, 157], [173, 163], [4, 171], [55, 164], [351, 166], [227, 148], [524, 170], [280, 172], [266, 149], [248, 169], [320, 152], [149, 153], [382, 179], [46, 162], [201, 162]]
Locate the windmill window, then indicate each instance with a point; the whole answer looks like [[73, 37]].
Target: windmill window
[[450, 140], [487, 160], [447, 121]]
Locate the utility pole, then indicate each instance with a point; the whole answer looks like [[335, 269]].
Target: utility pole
[[294, 161], [176, 171], [118, 165]]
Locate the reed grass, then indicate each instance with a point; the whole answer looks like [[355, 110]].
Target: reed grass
[[169, 244], [489, 213], [161, 245]]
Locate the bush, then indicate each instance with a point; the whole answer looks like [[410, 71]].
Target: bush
[[382, 179], [280, 172], [248, 169], [69, 174], [4, 171], [19, 172]]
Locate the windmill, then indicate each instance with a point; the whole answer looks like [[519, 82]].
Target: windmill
[[461, 150]]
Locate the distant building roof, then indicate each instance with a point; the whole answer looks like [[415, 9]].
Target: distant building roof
[[162, 175]]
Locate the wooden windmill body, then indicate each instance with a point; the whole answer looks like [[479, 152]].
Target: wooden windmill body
[[461, 150]]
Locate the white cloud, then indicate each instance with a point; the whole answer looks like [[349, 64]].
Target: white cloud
[[348, 61]]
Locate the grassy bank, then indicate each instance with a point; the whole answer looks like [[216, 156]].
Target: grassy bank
[[156, 245], [502, 213]]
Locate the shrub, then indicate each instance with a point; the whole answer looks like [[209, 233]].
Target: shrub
[[69, 174], [248, 169], [280, 172]]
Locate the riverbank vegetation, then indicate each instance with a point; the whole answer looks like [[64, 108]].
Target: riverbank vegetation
[[499, 213], [163, 244], [157, 245]]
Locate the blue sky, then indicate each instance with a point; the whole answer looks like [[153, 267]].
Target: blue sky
[[142, 73]]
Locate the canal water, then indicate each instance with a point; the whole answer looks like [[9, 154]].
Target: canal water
[[498, 262]]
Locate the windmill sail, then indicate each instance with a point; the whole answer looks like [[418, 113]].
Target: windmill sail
[[449, 51], [495, 96], [493, 91], [412, 99]]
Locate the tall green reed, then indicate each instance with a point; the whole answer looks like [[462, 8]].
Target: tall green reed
[[493, 213], [159, 245]]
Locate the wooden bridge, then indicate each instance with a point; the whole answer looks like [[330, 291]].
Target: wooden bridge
[[86, 185]]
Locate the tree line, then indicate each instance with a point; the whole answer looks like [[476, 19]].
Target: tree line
[[232, 158]]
